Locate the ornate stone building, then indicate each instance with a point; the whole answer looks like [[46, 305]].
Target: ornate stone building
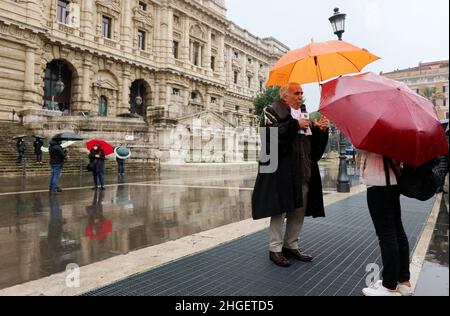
[[145, 73], [432, 75]]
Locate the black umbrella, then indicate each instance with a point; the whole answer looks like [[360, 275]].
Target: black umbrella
[[39, 137], [20, 136], [68, 137]]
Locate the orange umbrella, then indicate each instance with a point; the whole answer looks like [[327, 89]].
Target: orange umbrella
[[319, 62]]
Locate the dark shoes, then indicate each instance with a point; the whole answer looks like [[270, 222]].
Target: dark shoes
[[297, 255], [279, 259]]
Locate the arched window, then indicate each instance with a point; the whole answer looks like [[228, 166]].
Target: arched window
[[57, 86], [103, 106]]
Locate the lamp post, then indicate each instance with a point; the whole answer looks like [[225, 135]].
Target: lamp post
[[139, 100], [99, 83], [59, 85], [338, 23]]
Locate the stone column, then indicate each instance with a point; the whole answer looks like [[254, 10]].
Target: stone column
[[53, 11], [221, 56], [87, 84], [127, 35], [243, 74], [230, 66], [98, 26], [29, 95], [169, 37], [87, 23], [186, 41], [157, 33], [186, 97], [124, 107], [207, 53], [162, 24]]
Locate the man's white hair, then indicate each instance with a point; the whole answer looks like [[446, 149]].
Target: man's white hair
[[284, 91]]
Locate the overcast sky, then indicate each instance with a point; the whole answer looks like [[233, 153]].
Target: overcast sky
[[402, 32]]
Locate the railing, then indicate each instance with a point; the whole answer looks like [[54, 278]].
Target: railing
[[65, 28], [109, 43], [144, 54]]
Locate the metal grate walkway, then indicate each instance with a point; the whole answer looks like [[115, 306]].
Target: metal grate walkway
[[344, 243]]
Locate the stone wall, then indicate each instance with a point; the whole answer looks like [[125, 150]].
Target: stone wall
[[200, 78]]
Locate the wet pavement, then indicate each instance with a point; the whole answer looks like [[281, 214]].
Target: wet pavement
[[344, 245], [434, 279], [41, 234]]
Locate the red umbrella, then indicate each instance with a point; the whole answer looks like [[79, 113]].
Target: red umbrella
[[107, 148], [385, 117], [99, 231]]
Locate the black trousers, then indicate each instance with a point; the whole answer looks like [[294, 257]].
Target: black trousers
[[121, 167], [385, 209], [20, 158]]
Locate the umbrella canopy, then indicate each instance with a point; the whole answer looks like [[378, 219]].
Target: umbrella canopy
[[319, 62], [122, 153], [19, 136], [63, 145], [67, 136], [39, 136], [107, 148], [99, 231], [385, 117]]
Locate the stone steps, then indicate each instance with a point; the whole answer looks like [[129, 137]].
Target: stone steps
[[78, 157]]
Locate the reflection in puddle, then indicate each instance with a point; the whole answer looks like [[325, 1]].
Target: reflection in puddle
[[434, 278], [41, 234]]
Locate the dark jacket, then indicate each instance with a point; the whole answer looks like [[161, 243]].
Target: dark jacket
[[21, 147], [57, 153], [38, 146], [97, 164], [281, 191], [440, 171]]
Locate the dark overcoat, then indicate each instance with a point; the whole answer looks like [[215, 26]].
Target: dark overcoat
[[281, 192], [97, 164]]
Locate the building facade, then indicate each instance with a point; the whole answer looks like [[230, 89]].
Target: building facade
[[433, 75], [155, 75]]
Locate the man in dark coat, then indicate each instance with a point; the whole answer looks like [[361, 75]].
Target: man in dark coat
[[57, 157], [21, 147], [97, 161], [38, 143], [294, 189]]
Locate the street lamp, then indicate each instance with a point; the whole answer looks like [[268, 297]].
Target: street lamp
[[59, 85], [99, 83], [338, 23], [139, 101]]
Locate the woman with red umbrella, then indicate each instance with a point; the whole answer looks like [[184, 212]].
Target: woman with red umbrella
[[383, 198], [97, 165], [388, 121]]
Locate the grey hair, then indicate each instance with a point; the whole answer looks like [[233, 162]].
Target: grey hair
[[284, 91]]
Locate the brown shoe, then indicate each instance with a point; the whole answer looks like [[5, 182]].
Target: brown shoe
[[297, 254], [279, 259]]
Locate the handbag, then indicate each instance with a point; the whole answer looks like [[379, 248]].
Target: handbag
[[415, 183]]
